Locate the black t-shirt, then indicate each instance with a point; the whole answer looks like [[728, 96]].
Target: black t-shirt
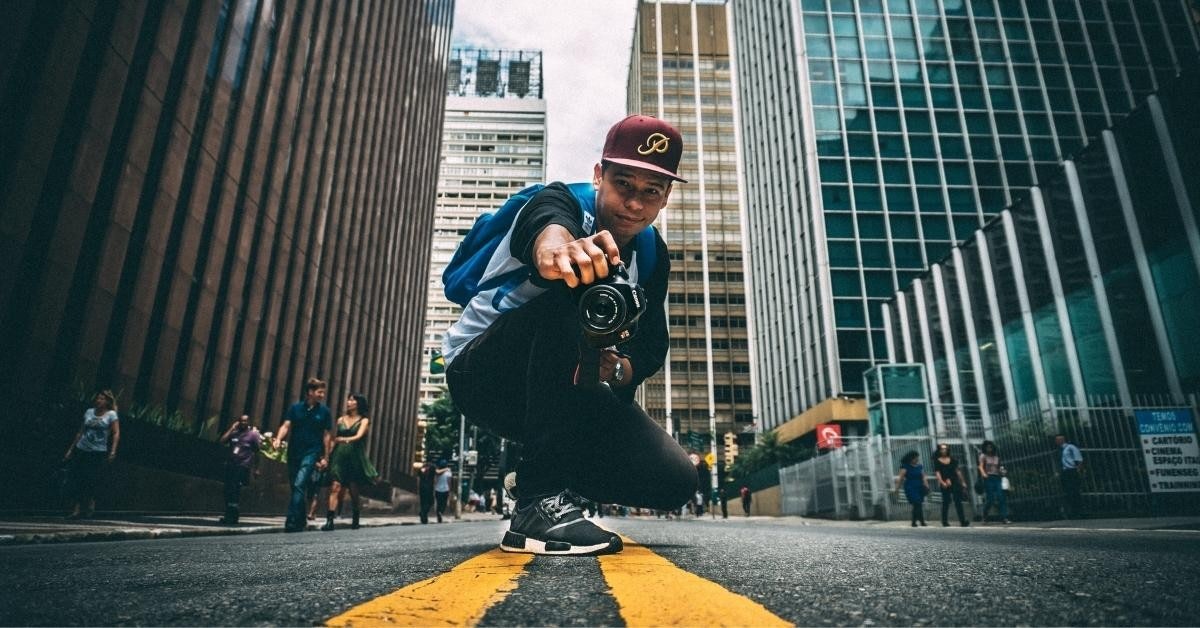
[[948, 470], [556, 205]]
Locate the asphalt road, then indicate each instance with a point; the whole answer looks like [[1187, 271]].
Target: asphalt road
[[823, 574]]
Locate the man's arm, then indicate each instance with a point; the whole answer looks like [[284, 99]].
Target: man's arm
[[228, 433], [548, 235], [327, 440], [648, 349], [283, 432]]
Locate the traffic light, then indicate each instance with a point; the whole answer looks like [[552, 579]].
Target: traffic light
[[731, 448], [419, 453]]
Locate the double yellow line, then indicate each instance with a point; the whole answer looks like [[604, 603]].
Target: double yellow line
[[649, 591]]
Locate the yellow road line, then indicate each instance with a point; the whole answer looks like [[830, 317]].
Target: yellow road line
[[458, 597], [651, 591]]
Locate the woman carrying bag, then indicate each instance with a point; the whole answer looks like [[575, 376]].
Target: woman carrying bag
[[993, 474]]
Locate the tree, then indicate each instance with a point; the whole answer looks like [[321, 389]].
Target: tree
[[441, 435], [768, 452]]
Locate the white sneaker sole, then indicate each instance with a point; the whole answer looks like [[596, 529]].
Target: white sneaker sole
[[520, 544]]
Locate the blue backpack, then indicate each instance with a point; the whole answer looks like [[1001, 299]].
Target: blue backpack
[[474, 253]]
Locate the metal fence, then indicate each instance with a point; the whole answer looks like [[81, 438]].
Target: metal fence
[[856, 481], [1115, 481]]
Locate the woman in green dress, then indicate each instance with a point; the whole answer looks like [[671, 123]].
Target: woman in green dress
[[349, 464]]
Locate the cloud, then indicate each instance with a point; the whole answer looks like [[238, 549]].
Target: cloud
[[585, 66]]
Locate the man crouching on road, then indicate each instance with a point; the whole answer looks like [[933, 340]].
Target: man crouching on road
[[521, 364]]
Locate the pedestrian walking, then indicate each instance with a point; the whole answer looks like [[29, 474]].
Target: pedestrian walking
[[307, 427], [521, 364], [993, 472], [951, 482], [441, 487], [747, 497], [244, 441], [912, 478], [1070, 470], [425, 483], [93, 448], [349, 466]]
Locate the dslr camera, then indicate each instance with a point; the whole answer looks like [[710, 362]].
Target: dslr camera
[[609, 308]]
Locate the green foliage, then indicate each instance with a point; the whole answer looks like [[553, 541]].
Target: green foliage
[[441, 434], [83, 394], [768, 452]]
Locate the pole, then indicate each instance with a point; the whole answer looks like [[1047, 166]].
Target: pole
[[462, 429]]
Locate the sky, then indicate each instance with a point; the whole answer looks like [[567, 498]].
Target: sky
[[585, 48]]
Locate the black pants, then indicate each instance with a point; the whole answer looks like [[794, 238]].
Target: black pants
[[918, 512], [426, 505], [955, 494], [442, 498], [515, 379], [1072, 487], [235, 478], [85, 470]]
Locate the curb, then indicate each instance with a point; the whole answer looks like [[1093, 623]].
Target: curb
[[139, 534]]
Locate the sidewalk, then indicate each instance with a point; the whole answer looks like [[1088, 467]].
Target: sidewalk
[[1188, 524], [116, 526]]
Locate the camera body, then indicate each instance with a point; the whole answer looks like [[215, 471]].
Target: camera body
[[609, 308]]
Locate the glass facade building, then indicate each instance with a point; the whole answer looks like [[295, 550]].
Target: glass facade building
[[877, 134], [205, 203], [680, 71], [1084, 289], [493, 145]]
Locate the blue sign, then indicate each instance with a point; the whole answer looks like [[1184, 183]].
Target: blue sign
[[1171, 450], [1169, 421]]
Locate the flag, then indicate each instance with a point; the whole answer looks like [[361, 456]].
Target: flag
[[437, 364]]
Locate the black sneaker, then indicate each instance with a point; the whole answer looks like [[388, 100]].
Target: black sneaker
[[510, 485], [555, 525]]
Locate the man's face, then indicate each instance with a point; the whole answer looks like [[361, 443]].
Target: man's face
[[315, 396], [244, 421], [628, 199], [1059, 440]]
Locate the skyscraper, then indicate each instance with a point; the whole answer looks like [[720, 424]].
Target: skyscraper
[[680, 71], [205, 203], [493, 145], [878, 133]]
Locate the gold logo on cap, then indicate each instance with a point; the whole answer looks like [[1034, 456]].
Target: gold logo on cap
[[656, 143]]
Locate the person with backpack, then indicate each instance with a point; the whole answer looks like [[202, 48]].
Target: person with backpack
[[520, 363]]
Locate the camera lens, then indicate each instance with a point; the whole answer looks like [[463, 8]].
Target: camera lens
[[602, 309]]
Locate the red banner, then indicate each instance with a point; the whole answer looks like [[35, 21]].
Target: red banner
[[829, 436]]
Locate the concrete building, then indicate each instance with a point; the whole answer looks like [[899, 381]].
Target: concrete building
[[680, 71], [204, 204], [493, 145], [879, 133]]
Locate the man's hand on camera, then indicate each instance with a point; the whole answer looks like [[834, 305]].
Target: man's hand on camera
[[557, 255], [609, 359]]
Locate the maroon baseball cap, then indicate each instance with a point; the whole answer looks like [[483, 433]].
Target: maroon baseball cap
[[645, 142]]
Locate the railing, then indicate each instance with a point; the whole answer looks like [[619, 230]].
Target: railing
[[855, 481], [1114, 480]]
